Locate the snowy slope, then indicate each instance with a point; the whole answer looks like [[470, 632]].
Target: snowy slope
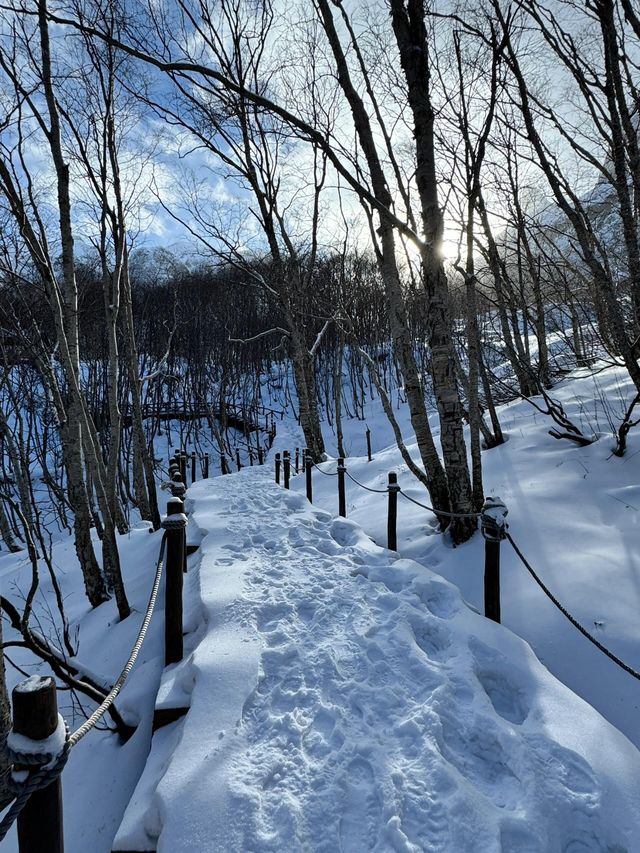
[[347, 699], [575, 512]]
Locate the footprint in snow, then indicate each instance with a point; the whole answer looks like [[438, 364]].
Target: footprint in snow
[[360, 822], [501, 681], [433, 639]]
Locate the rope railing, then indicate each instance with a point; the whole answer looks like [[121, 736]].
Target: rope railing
[[618, 661], [40, 743], [45, 767], [109, 699], [494, 530]]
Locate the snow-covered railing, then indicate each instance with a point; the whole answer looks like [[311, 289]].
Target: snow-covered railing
[[493, 525], [40, 742]]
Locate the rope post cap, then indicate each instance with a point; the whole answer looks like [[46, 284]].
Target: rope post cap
[[177, 521], [393, 482], [494, 519]]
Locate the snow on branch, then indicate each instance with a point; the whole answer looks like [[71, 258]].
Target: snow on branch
[[260, 335], [319, 338]]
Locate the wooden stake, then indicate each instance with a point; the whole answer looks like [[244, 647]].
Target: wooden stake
[[392, 516], [35, 715]]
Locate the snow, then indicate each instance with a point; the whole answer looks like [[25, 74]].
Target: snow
[[51, 745], [346, 698], [573, 511]]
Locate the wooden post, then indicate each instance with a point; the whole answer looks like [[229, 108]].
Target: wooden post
[[175, 524], [297, 459], [193, 468], [251, 456], [260, 456], [278, 468], [238, 463], [368, 434], [183, 466], [205, 467], [286, 462], [342, 497], [309, 466], [35, 715], [392, 516], [494, 526]]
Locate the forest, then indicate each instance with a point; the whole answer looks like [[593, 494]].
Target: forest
[[224, 221]]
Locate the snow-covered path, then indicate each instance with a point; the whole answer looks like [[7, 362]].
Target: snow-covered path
[[343, 699]]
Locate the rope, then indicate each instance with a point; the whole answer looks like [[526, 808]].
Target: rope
[[326, 473], [44, 768], [440, 511], [48, 766], [362, 485], [97, 715], [568, 615]]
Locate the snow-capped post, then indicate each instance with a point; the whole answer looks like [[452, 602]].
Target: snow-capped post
[[368, 434], [278, 468], [175, 524], [35, 716], [205, 467], [183, 466], [178, 487], [286, 464], [392, 515], [238, 463], [342, 496], [297, 459], [308, 466], [193, 468], [494, 527]]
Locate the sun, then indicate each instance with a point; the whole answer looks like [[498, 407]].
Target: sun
[[449, 248]]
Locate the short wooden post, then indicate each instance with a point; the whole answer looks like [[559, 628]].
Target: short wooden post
[[309, 465], [260, 456], [193, 468], [278, 468], [205, 467], [175, 524], [238, 463], [392, 515], [35, 715], [297, 459], [251, 456], [183, 466], [286, 463], [368, 434], [494, 527], [342, 496]]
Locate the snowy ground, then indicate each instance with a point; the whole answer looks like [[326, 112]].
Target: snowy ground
[[575, 513], [347, 699], [344, 699]]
